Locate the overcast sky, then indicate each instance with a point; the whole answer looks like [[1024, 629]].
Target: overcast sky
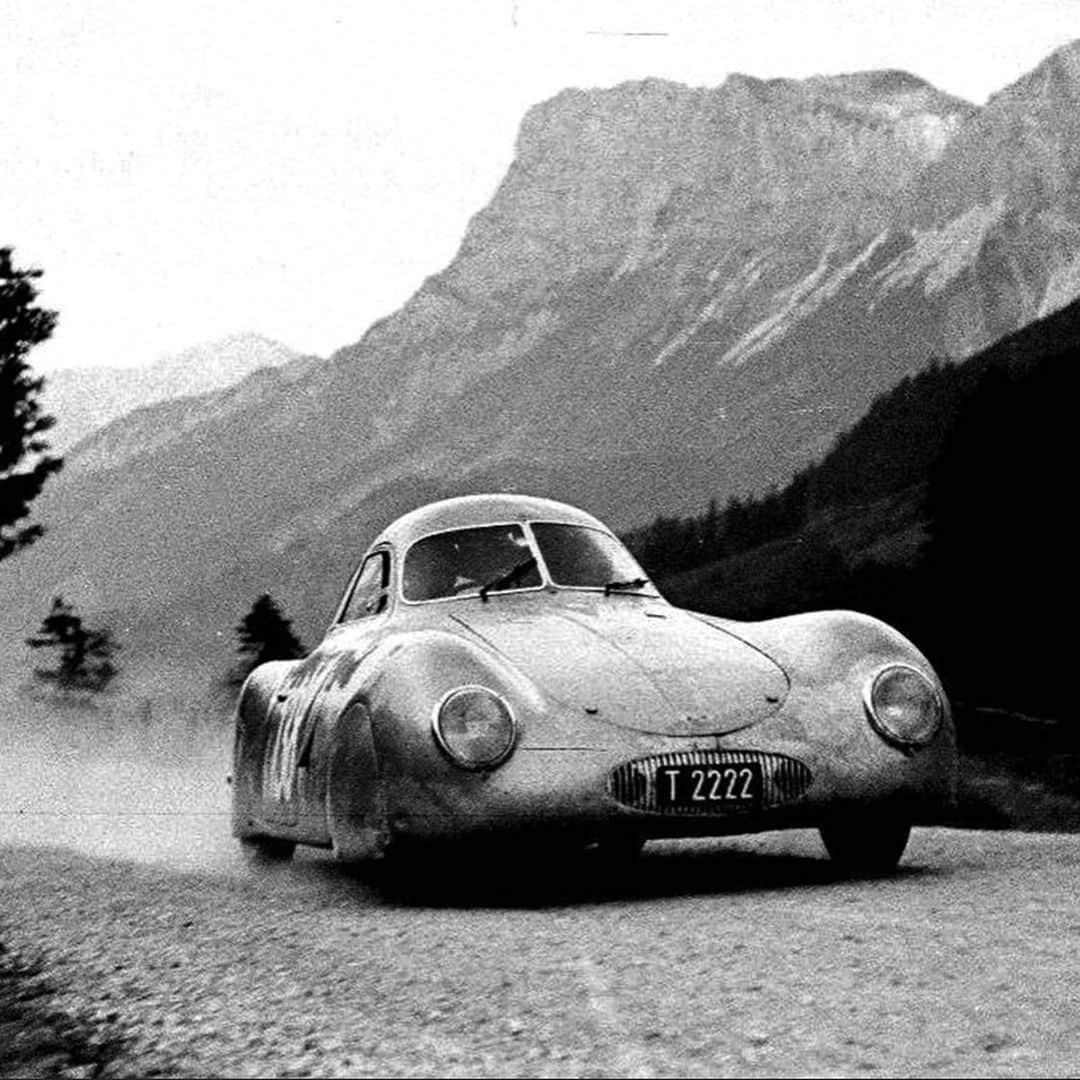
[[185, 170]]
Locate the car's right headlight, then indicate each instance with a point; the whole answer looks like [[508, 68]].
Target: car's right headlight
[[904, 705], [475, 727]]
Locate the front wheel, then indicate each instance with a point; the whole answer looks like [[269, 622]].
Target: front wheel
[[266, 850], [620, 848], [867, 846]]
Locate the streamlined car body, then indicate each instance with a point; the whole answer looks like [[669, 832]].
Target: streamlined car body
[[500, 666]]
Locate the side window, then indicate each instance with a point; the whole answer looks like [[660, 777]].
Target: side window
[[369, 595]]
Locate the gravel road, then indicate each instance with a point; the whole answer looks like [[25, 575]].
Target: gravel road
[[742, 958]]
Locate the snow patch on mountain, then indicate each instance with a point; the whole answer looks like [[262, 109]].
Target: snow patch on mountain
[[1062, 288], [928, 134], [739, 285], [941, 255], [799, 301]]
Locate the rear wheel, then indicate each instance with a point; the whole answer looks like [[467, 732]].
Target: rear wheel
[[267, 850], [866, 846]]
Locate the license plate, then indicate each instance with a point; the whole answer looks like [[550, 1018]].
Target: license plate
[[734, 786]]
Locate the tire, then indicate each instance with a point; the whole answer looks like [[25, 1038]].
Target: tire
[[620, 848], [267, 850], [867, 846]]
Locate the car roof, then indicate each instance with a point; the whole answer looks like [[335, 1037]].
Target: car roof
[[469, 511]]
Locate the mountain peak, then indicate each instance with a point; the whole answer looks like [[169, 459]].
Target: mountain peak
[[604, 178], [226, 359], [84, 399], [1022, 148], [1055, 80]]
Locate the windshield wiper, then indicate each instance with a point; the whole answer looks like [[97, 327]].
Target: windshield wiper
[[511, 575], [621, 586]]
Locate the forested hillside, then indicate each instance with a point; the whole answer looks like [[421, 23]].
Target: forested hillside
[[943, 511]]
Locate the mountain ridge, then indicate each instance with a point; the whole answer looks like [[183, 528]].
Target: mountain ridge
[[86, 399], [673, 292]]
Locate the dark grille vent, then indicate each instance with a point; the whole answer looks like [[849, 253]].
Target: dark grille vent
[[634, 784]]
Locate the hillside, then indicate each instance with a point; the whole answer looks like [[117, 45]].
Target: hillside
[[942, 511]]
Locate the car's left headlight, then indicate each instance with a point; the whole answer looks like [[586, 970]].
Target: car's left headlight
[[475, 727], [904, 705]]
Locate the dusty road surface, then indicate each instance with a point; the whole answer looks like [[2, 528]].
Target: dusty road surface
[[742, 958]]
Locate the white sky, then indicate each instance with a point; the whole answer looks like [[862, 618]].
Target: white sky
[[185, 170]]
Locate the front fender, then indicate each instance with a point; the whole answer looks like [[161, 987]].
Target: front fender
[[415, 676], [821, 646], [831, 657], [379, 715]]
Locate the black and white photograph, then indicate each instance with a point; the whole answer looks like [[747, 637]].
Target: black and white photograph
[[533, 538]]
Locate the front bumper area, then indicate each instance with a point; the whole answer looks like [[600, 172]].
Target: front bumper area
[[596, 790], [635, 785]]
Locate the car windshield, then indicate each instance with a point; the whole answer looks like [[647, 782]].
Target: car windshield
[[582, 557], [493, 558]]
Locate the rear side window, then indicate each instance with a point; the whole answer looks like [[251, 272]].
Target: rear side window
[[369, 595]]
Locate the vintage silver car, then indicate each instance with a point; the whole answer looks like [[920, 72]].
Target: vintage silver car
[[500, 666]]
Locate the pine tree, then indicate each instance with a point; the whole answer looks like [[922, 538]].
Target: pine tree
[[265, 634], [85, 655], [24, 464]]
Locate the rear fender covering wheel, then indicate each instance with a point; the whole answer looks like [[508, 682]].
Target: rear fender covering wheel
[[865, 843], [356, 817]]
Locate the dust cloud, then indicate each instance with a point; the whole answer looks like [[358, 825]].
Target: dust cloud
[[131, 779]]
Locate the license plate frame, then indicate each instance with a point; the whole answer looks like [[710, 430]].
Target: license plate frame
[[727, 787]]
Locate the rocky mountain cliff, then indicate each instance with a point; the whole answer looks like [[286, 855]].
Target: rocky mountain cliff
[[674, 294], [85, 399]]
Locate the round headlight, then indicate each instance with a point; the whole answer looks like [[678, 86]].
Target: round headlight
[[904, 705], [475, 727]]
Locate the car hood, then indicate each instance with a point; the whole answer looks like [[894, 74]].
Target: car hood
[[651, 668]]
